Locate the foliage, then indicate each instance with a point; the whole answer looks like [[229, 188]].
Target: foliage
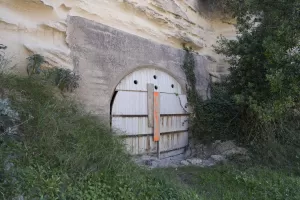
[[192, 95], [239, 182], [64, 79], [222, 118], [265, 57], [265, 78], [4, 62], [219, 116], [8, 119], [214, 118], [34, 64], [67, 154]]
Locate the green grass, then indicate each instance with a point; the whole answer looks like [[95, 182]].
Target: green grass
[[232, 182], [68, 154]]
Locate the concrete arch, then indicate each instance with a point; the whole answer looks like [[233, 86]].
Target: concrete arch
[[180, 79], [103, 56]]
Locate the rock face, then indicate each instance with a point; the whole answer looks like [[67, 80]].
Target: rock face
[[39, 26], [103, 56]]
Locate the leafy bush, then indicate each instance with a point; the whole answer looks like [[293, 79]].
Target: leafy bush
[[64, 79], [4, 62], [265, 57], [274, 143], [214, 118], [264, 80], [34, 64]]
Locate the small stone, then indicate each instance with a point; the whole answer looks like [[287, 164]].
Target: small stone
[[151, 163], [235, 151], [218, 158], [209, 163], [221, 147], [184, 162], [195, 161]]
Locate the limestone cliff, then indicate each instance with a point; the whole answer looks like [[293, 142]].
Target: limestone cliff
[[39, 26]]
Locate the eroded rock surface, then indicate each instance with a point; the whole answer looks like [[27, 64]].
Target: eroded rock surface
[[39, 26]]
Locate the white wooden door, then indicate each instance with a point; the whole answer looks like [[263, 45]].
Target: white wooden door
[[130, 112]]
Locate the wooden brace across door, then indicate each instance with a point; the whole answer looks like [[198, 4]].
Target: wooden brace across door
[[154, 111]]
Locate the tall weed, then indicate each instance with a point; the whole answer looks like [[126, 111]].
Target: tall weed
[[68, 154]]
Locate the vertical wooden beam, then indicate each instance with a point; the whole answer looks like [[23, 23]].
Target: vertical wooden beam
[[150, 90], [156, 116], [157, 121]]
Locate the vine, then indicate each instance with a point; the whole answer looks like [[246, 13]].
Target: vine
[[215, 117], [192, 95]]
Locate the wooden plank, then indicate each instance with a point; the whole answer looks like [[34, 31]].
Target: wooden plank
[[150, 90], [130, 103], [139, 125], [156, 116], [144, 144], [173, 104]]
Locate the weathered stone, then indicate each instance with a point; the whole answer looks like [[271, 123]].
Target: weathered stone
[[33, 26], [208, 163], [184, 162], [223, 146], [234, 151], [195, 161], [218, 158], [152, 163], [206, 156], [228, 148]]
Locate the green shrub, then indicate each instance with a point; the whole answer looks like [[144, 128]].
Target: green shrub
[[264, 59], [274, 143], [264, 77], [34, 64], [4, 61], [64, 79]]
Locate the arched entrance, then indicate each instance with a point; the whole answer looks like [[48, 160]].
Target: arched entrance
[[134, 112]]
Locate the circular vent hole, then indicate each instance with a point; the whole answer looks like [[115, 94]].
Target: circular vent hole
[[156, 87], [172, 86], [135, 82], [154, 77]]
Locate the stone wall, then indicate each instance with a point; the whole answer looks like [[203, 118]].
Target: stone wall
[[103, 56], [40, 26]]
